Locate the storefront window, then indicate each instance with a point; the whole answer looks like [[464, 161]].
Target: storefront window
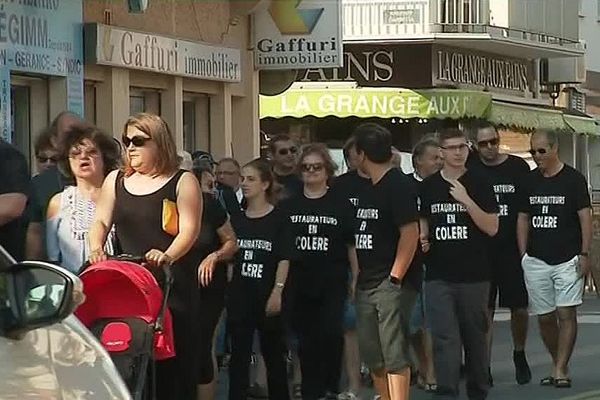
[[189, 126], [137, 104]]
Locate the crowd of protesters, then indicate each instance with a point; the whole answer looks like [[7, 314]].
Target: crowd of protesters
[[333, 275]]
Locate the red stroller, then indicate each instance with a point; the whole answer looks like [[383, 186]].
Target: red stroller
[[126, 309]]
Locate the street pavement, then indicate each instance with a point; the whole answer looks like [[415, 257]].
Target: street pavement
[[585, 364]]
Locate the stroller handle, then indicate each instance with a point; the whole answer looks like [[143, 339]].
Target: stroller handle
[[136, 260]]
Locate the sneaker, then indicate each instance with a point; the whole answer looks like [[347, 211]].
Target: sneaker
[[522, 371], [349, 395]]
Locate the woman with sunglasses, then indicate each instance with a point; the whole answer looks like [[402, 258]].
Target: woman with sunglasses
[[259, 278], [88, 157], [135, 200], [322, 231]]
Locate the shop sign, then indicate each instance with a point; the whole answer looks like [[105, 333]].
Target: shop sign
[[41, 37], [367, 68], [119, 47], [483, 70], [383, 103], [295, 34], [5, 115]]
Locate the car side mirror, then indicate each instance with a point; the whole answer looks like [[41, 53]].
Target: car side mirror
[[38, 294]]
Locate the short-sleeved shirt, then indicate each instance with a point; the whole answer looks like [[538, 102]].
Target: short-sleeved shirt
[[383, 208], [14, 178], [552, 204], [350, 185], [459, 250], [321, 230], [291, 185], [214, 217], [45, 186], [262, 245], [506, 179]]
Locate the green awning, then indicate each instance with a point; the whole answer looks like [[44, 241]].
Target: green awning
[[525, 117], [376, 102], [583, 125]]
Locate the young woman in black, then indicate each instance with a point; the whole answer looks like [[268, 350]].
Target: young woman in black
[[259, 277], [322, 233]]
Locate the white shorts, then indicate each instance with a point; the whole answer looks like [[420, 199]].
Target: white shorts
[[552, 286]]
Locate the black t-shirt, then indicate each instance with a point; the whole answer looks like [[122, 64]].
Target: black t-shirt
[[228, 200], [320, 231], [506, 179], [291, 185], [350, 185], [458, 248], [263, 244], [14, 178], [214, 217], [45, 186], [552, 205], [382, 209]]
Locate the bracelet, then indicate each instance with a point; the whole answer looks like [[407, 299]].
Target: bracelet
[[279, 285]]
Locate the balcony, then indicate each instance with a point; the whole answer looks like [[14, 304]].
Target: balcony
[[463, 23]]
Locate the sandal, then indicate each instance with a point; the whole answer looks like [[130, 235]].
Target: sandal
[[297, 391], [430, 387], [562, 383], [547, 381]]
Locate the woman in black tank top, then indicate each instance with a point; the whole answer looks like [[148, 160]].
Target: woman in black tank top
[[133, 201]]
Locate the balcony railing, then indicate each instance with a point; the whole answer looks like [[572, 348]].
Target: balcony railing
[[365, 20]]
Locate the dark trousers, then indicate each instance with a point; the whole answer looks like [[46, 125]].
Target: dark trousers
[[318, 322], [459, 318], [270, 332]]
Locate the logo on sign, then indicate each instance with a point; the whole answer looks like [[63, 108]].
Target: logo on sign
[[293, 21]]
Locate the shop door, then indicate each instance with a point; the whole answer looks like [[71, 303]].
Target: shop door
[[196, 122]]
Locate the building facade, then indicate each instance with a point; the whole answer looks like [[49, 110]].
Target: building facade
[[443, 62], [187, 61]]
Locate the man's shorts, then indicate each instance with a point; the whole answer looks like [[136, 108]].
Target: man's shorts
[[552, 286], [507, 279], [383, 315]]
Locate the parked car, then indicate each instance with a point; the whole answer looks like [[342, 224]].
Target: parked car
[[45, 352]]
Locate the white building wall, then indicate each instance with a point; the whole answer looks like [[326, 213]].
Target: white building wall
[[589, 30]]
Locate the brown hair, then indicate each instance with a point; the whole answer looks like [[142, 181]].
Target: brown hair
[[282, 137], [155, 127], [109, 150], [43, 142], [265, 172], [452, 133], [321, 150]]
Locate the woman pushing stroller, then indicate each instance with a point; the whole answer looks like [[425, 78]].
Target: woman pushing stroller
[[155, 208]]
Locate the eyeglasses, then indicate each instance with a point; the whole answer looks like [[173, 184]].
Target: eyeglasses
[[538, 151], [78, 151], [137, 141], [317, 167], [286, 151], [459, 147], [45, 159], [489, 143]]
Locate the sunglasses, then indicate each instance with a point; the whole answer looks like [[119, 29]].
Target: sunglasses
[[460, 147], [44, 159], [137, 141], [317, 167], [489, 143], [285, 152], [538, 151]]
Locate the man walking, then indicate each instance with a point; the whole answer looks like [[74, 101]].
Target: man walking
[[284, 153], [386, 241], [506, 172], [458, 216], [554, 232]]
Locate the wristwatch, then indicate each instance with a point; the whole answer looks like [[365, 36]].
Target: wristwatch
[[395, 281]]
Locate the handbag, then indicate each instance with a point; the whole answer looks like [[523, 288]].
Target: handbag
[[170, 217]]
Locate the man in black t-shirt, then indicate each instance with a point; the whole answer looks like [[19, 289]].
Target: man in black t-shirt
[[14, 189], [284, 154], [505, 172], [459, 214], [554, 232], [386, 240]]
